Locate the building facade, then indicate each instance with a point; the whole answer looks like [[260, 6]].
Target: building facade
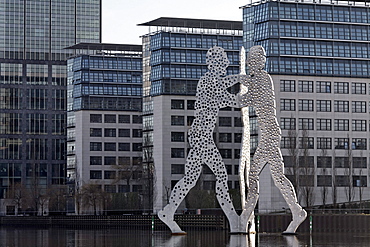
[[104, 116], [174, 58], [33, 85], [318, 55], [104, 134]]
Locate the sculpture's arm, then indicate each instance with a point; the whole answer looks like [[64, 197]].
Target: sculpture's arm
[[229, 99], [231, 80]]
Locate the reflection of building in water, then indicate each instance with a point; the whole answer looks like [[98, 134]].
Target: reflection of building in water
[[318, 57]]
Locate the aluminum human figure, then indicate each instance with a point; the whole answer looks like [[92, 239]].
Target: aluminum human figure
[[212, 95], [260, 95]]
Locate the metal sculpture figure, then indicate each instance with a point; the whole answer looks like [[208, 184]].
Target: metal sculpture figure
[[212, 95], [261, 97]]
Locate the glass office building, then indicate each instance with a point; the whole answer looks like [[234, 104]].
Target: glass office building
[[33, 35], [174, 58], [318, 54], [104, 134]]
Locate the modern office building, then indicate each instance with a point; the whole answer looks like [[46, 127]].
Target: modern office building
[[104, 134], [174, 58], [319, 57], [33, 85]]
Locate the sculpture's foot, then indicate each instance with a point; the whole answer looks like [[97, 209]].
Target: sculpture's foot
[[239, 225], [296, 222], [166, 218]]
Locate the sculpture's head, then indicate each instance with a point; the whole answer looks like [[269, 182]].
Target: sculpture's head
[[217, 60], [256, 58]]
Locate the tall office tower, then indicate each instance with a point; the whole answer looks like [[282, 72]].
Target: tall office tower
[[104, 117], [319, 57], [174, 58], [33, 85]]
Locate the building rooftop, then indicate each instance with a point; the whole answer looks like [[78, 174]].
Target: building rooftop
[[194, 23], [106, 46], [333, 2]]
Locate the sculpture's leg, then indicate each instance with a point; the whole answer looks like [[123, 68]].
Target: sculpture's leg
[[181, 189], [217, 166], [287, 190], [253, 190]]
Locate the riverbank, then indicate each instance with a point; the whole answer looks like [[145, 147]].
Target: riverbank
[[324, 223]]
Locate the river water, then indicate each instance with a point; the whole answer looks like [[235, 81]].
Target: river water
[[55, 237]]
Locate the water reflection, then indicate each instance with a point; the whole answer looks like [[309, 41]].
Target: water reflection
[[55, 237]]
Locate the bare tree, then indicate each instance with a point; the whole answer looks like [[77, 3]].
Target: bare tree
[[334, 181], [324, 173], [293, 170], [348, 172], [148, 170], [92, 195], [307, 170], [17, 192]]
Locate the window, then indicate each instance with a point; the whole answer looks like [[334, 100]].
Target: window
[[224, 137], [305, 124], [324, 162], [341, 87], [358, 125], [342, 181], [323, 105], [305, 105], [341, 106], [190, 104], [359, 181], [95, 132], [136, 119], [123, 118], [177, 136], [287, 104], [341, 143], [323, 124], [341, 162], [287, 123], [109, 188], [109, 146], [289, 161], [287, 86], [123, 146], [177, 169], [109, 160], [224, 121], [306, 143], [359, 106], [177, 120], [359, 143], [238, 122], [189, 120], [95, 118], [109, 118], [95, 146], [226, 153], [109, 174], [323, 87], [324, 181], [124, 160], [359, 162], [95, 160], [358, 88], [177, 104], [124, 132], [341, 124], [137, 133], [177, 153], [109, 132], [238, 137], [95, 174], [323, 143], [305, 86], [288, 142]]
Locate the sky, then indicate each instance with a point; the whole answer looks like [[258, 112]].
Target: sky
[[120, 17]]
